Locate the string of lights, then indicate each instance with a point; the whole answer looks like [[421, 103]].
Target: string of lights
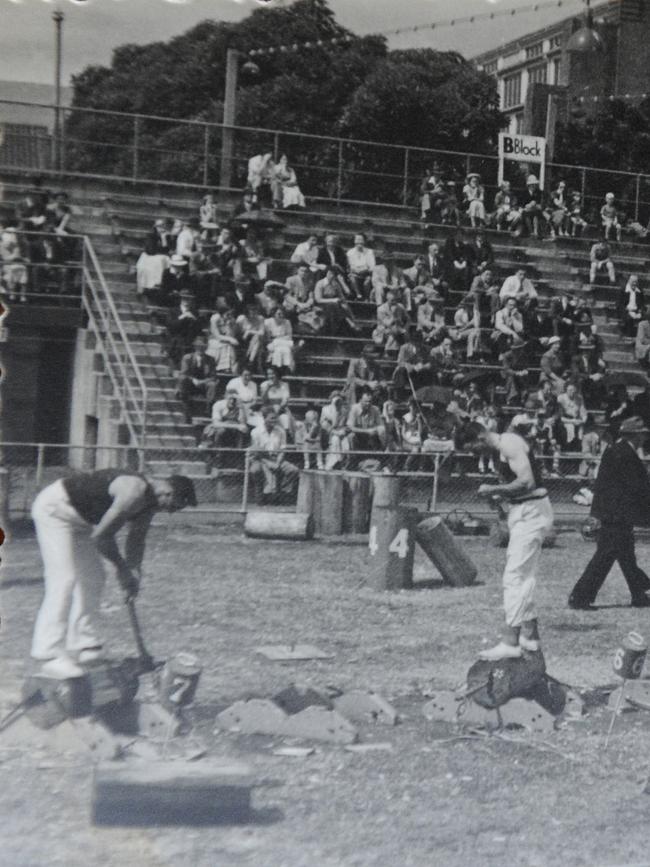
[[611, 98], [433, 25]]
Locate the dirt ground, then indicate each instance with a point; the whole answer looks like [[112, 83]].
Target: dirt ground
[[432, 801]]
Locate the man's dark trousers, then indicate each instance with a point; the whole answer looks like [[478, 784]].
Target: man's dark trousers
[[614, 542]]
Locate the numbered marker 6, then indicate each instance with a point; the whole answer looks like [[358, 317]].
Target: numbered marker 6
[[629, 658]]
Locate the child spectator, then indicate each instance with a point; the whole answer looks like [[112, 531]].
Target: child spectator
[[502, 206], [591, 450], [310, 434], [601, 259], [610, 219], [573, 415], [578, 223], [474, 198], [487, 418], [557, 212]]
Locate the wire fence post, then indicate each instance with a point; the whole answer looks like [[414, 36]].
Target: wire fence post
[[244, 495], [276, 146], [405, 187], [434, 492], [206, 153], [40, 463], [61, 163], [339, 176], [136, 141], [637, 195]]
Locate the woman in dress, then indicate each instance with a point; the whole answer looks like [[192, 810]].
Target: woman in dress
[[474, 198], [286, 192], [251, 332], [274, 392], [223, 342], [279, 341]]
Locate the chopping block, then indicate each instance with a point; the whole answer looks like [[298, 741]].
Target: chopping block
[[446, 706], [141, 793], [264, 717]]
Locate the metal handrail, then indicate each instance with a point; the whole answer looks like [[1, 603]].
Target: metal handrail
[[119, 359]]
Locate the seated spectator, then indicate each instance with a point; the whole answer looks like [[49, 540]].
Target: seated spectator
[[588, 371], [458, 271], [543, 436], [15, 278], [306, 253], [245, 389], [182, 327], [196, 378], [502, 206], [417, 274], [563, 315], [247, 206], [485, 293], [414, 367], [298, 300], [261, 169], [444, 363], [429, 195], [269, 466], [545, 397], [552, 366], [425, 319], [488, 419], [631, 306], [449, 210], [508, 326], [514, 376], [332, 253], [531, 203], [365, 374], [176, 279], [573, 415], [226, 252], [538, 328], [188, 238], [385, 276], [592, 448], [577, 221], [523, 422], [279, 341], [330, 298], [435, 270], [223, 343], [412, 434], [392, 324], [584, 324], [208, 217], [251, 259], [557, 213], [227, 428], [466, 332], [366, 426], [393, 435], [439, 328], [314, 441], [474, 199], [480, 253], [274, 392], [519, 287], [287, 193], [270, 298], [618, 407], [361, 261], [642, 341], [154, 259], [610, 219], [601, 260], [333, 419]]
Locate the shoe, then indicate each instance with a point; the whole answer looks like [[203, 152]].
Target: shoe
[[90, 654], [501, 651], [61, 668], [579, 605], [531, 645], [640, 602]]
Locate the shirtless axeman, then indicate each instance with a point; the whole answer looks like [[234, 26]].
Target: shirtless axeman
[[76, 522], [530, 518]]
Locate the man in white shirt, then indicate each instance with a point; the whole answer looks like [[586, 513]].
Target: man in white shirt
[[186, 240], [519, 287], [306, 253], [268, 465], [245, 389], [361, 261], [228, 427]]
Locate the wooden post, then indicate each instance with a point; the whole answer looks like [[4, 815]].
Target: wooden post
[[279, 525], [321, 494], [392, 547], [444, 552], [386, 490], [357, 493]]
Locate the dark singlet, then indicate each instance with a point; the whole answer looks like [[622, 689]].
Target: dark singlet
[[507, 475], [89, 496]]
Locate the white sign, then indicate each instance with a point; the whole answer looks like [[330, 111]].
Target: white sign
[[522, 149]]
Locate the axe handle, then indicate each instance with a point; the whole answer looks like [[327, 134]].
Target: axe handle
[[137, 632]]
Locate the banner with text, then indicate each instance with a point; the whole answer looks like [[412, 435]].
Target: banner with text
[[522, 149]]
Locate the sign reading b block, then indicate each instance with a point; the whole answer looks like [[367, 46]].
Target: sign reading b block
[[522, 149]]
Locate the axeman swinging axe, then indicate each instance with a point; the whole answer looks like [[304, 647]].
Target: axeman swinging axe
[[144, 657]]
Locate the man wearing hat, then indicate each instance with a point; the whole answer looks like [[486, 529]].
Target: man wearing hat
[[77, 519], [176, 279], [197, 378], [621, 502], [183, 327]]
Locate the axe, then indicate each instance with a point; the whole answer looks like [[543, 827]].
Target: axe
[[144, 657]]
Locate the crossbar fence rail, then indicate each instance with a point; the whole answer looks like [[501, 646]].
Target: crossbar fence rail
[[433, 482], [96, 143]]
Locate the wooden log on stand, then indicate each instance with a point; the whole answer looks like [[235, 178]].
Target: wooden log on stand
[[445, 553], [320, 493], [392, 546], [357, 497]]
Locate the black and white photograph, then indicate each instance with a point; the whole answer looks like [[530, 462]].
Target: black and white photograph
[[324, 433]]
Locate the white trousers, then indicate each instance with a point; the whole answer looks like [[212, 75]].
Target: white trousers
[[74, 577], [528, 524]]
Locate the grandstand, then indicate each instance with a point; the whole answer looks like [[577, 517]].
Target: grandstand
[[116, 216]]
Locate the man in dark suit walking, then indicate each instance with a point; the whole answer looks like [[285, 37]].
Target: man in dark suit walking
[[621, 502]]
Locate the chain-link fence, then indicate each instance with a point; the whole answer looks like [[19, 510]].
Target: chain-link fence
[[233, 480]]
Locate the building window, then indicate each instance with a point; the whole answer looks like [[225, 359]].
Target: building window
[[519, 123], [490, 67], [535, 50], [512, 90], [556, 70], [537, 75], [556, 42]]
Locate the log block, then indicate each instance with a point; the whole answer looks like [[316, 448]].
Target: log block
[[494, 683], [392, 546], [298, 526], [445, 553], [320, 493], [386, 490], [357, 498], [141, 793]]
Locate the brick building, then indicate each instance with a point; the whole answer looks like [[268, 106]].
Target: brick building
[[533, 66]]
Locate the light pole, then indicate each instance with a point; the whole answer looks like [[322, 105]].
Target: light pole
[[229, 116], [57, 17]]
